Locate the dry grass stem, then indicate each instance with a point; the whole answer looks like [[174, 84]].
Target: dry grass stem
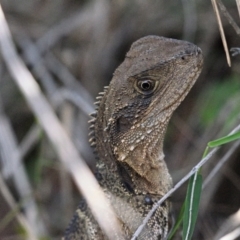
[[13, 205], [230, 229], [65, 149], [215, 7], [229, 17], [238, 6], [29, 140], [81, 98], [220, 163], [13, 167]]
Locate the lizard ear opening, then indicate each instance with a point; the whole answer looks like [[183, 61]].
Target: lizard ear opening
[[122, 124]]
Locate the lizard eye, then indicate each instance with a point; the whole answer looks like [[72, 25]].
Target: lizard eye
[[146, 86]]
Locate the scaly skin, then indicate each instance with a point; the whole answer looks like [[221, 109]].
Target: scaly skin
[[128, 130]]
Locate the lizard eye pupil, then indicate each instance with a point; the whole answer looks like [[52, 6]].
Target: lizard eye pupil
[[146, 86]]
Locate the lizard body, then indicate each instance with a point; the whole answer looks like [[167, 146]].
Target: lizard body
[[127, 134]]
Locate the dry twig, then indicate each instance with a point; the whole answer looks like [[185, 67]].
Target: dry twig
[[20, 217], [215, 7], [12, 166]]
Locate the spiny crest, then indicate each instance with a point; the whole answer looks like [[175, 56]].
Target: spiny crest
[[92, 121]]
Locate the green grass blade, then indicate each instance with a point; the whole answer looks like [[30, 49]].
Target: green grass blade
[[192, 205], [224, 140], [177, 223]]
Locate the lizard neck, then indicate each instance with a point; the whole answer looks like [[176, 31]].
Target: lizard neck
[[154, 179]]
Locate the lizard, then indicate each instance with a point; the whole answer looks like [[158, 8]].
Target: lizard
[[127, 134]]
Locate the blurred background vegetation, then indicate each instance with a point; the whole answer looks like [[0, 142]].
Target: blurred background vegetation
[[72, 48]]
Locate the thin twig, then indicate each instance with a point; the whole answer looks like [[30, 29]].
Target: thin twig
[[235, 51], [13, 166], [221, 31], [13, 205], [65, 27], [238, 6], [220, 163], [229, 229], [229, 17], [232, 235], [178, 185], [65, 149], [70, 82], [66, 115], [29, 140], [76, 99], [67, 78], [33, 56]]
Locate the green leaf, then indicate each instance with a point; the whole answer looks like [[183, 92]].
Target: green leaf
[[192, 205], [224, 140], [177, 223]]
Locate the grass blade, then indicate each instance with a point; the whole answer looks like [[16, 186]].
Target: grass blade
[[224, 140], [177, 223], [192, 205]]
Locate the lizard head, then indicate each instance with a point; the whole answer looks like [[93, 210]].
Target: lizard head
[[134, 112]]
